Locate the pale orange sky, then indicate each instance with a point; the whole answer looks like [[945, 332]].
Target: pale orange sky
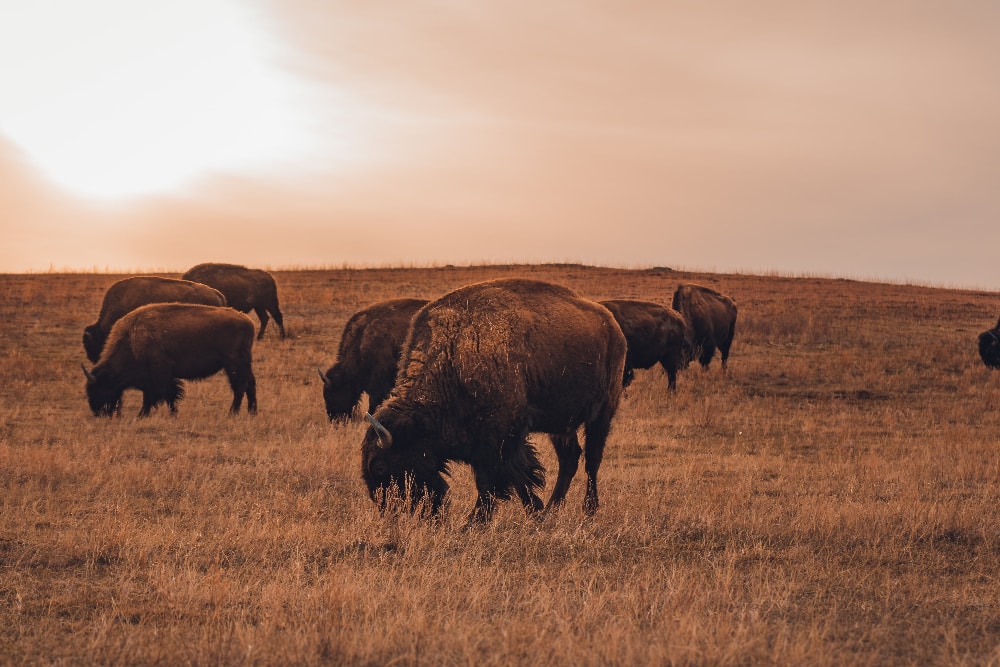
[[852, 139]]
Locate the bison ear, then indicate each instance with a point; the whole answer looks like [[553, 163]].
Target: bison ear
[[90, 376], [326, 380], [384, 437]]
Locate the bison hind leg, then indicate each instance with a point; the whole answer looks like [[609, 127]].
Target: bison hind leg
[[596, 434], [568, 451], [278, 319], [707, 352], [262, 314], [242, 382]]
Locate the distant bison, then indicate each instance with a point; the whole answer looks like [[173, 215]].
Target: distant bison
[[655, 335], [989, 346], [245, 290], [368, 356], [711, 319], [481, 368], [128, 294], [154, 347]]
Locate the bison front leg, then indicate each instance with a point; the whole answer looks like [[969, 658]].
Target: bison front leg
[[174, 392], [532, 503], [490, 487], [482, 512]]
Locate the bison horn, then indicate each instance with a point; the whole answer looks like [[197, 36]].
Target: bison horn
[[384, 437], [326, 380], [993, 336], [90, 376]]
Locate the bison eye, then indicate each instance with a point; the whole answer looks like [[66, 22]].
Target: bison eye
[[379, 467]]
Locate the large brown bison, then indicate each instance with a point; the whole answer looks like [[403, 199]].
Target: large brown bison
[[481, 368], [245, 290], [989, 346], [368, 356], [129, 293], [711, 319], [655, 335], [156, 346]]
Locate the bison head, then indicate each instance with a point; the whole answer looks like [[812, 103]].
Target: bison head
[[341, 397], [397, 459], [93, 342], [104, 396], [989, 348]]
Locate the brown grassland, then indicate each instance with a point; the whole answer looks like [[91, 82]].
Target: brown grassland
[[831, 500]]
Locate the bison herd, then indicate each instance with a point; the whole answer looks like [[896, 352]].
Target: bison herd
[[462, 378]]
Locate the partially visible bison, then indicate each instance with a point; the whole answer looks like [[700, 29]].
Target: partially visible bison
[[655, 335], [989, 346], [481, 368], [129, 293], [245, 290], [156, 346], [367, 356], [711, 319]]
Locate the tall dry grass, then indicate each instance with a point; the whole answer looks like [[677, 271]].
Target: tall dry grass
[[829, 501]]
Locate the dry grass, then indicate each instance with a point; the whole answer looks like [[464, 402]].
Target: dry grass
[[830, 501]]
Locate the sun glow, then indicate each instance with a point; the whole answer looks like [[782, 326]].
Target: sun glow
[[115, 98]]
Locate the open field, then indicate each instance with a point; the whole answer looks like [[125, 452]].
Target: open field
[[832, 500]]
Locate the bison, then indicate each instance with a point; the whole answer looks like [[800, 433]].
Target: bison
[[711, 319], [989, 346], [156, 346], [481, 368], [367, 356], [128, 294], [245, 290], [655, 334]]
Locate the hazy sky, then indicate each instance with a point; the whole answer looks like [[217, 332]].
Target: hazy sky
[[848, 138]]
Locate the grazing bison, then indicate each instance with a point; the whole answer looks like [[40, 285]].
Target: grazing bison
[[481, 368], [128, 294], [367, 357], [711, 319], [245, 290], [989, 346], [655, 335], [154, 347]]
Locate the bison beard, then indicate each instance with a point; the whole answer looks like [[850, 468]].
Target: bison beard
[[481, 368]]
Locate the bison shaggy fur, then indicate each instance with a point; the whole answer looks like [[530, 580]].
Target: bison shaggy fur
[[156, 346], [245, 290], [481, 368], [368, 356], [128, 294]]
